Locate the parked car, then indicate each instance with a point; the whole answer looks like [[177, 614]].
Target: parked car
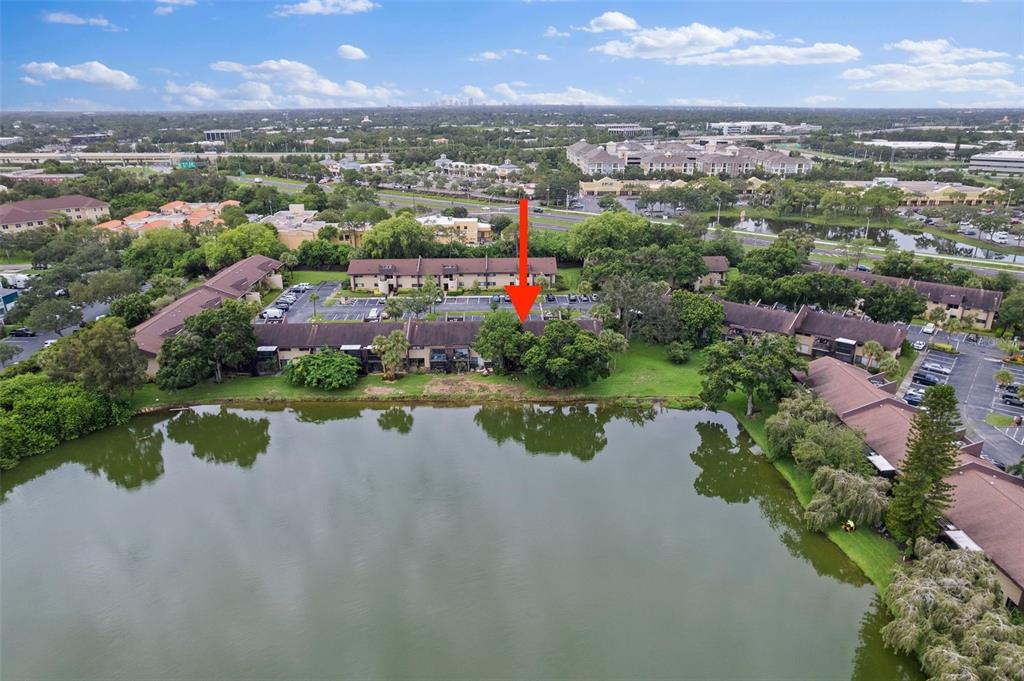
[[929, 328], [593, 297], [1015, 388], [971, 338], [283, 306], [549, 298], [495, 299], [272, 313], [573, 298], [924, 378], [863, 268], [584, 298], [50, 343], [919, 345], [1013, 400], [23, 332], [936, 368], [912, 400], [506, 299]]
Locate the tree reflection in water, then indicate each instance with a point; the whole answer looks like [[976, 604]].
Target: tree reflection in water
[[221, 437], [872, 659], [732, 472], [128, 456], [396, 418], [577, 430]]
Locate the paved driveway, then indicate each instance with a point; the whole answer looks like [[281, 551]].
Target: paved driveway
[[30, 346], [972, 377]]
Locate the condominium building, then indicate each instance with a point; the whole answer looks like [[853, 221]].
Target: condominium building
[[817, 333], [467, 230], [297, 224], [450, 274], [446, 166], [682, 157], [998, 163], [748, 127], [439, 346], [172, 215], [930, 193], [34, 213]]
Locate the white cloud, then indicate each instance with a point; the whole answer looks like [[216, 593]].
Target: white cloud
[[553, 32], [797, 41], [91, 72], [674, 43], [543, 57], [282, 83], [351, 52], [938, 66], [28, 80], [815, 100], [941, 51], [323, 7], [474, 92], [76, 20], [165, 7], [766, 55], [700, 101], [492, 55], [610, 21], [570, 95]]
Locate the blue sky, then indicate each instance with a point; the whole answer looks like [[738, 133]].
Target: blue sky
[[206, 55]]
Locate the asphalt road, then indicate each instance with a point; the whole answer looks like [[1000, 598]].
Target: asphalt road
[[29, 346], [971, 376]]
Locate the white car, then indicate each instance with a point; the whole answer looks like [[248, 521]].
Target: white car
[[49, 343], [936, 368], [919, 345], [929, 328]]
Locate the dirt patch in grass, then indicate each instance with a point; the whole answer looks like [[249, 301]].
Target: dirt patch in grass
[[461, 385], [380, 391]]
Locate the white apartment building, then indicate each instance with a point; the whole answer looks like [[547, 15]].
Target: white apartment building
[[446, 166], [681, 157]]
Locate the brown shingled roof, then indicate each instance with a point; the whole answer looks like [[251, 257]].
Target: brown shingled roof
[[716, 263], [233, 282], [975, 298], [437, 266]]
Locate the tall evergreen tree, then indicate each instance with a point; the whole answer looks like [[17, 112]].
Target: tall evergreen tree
[[921, 493]]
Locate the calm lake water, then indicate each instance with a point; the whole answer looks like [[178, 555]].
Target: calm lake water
[[427, 543]]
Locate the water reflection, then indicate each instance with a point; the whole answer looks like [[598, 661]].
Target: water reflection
[[736, 475], [397, 419], [129, 457], [872, 659], [221, 436], [577, 430]]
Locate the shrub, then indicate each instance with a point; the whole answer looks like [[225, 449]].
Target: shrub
[[327, 370], [679, 352]]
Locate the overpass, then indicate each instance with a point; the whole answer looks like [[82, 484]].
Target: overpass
[[127, 158]]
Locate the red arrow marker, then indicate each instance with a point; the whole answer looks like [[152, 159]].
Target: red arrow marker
[[523, 295]]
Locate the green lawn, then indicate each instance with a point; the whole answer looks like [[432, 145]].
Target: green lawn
[[317, 276], [569, 278], [999, 420], [16, 259], [907, 357], [643, 371]]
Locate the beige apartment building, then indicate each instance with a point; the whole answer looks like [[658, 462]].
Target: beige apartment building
[[450, 274], [34, 213], [467, 230]]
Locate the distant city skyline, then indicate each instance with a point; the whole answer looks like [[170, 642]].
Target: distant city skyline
[[291, 54]]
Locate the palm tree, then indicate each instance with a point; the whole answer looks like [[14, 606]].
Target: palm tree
[[313, 297], [874, 352], [1003, 378]]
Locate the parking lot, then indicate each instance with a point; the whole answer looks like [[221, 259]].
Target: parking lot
[[971, 375], [453, 308]]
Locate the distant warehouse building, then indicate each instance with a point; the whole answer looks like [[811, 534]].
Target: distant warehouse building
[[450, 274], [998, 163], [221, 135]]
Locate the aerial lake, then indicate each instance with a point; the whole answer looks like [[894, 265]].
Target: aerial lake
[[333, 541]]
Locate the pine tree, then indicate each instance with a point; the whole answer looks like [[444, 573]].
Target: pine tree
[[921, 493]]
